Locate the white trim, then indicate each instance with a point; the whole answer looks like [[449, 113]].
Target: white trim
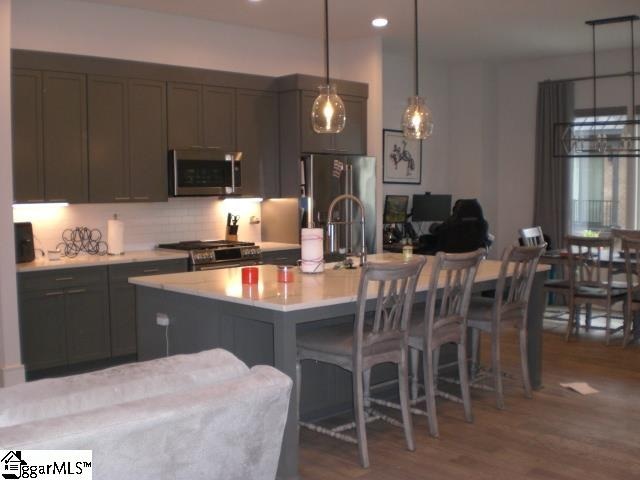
[[11, 375]]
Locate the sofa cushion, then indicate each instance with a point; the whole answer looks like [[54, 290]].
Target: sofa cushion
[[124, 383], [231, 429]]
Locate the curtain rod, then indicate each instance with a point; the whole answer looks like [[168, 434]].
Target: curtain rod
[[591, 77]]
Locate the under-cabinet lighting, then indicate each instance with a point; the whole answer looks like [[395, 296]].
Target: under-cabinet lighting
[[244, 199], [40, 205]]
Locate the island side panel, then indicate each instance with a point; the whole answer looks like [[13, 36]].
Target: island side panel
[[197, 323]]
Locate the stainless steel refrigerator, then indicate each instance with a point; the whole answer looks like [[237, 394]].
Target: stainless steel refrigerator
[[326, 176]]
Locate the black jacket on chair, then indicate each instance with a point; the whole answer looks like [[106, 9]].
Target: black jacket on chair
[[465, 230]]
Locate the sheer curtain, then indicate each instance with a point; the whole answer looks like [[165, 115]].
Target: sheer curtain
[[551, 208]]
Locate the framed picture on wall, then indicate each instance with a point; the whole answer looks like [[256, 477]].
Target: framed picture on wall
[[402, 160]]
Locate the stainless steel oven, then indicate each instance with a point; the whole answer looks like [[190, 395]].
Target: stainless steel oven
[[204, 171]]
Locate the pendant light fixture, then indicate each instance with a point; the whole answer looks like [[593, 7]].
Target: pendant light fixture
[[417, 121], [610, 137], [327, 113]]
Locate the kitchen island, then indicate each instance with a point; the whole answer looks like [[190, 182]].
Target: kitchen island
[[259, 323]]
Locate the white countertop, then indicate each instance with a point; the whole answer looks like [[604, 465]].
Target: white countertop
[[275, 246], [42, 263], [306, 291]]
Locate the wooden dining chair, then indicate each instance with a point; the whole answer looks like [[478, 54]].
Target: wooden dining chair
[[532, 236], [508, 307], [444, 321], [380, 338], [588, 258], [631, 250]]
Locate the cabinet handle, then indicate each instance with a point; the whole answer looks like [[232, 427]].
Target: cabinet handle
[[58, 200], [63, 279], [54, 294], [119, 199], [77, 290], [342, 150], [151, 270], [141, 198], [36, 200]]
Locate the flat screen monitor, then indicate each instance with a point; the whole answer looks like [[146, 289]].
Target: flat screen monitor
[[431, 208], [395, 208]]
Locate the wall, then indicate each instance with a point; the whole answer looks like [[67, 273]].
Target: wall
[[434, 85], [11, 370], [146, 225]]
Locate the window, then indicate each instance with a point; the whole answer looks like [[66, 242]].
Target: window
[[603, 189]]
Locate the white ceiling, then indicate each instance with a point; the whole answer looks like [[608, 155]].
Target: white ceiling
[[450, 29]]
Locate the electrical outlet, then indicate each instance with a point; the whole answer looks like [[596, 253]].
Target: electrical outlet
[[162, 319]]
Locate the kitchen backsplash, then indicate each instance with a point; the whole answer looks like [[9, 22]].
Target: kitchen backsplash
[[145, 224]]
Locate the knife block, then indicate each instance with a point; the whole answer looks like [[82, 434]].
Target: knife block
[[231, 234]]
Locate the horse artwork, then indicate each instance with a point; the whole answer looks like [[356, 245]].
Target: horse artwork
[[402, 158], [399, 155]]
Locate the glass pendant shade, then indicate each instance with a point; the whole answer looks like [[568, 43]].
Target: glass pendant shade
[[417, 121], [327, 113]]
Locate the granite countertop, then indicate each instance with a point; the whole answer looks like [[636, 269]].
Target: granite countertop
[[275, 246], [306, 291], [43, 263]]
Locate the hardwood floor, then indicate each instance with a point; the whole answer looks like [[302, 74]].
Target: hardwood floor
[[557, 435]]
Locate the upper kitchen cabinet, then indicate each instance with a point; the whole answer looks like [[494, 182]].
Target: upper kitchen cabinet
[[64, 111], [127, 140], [49, 117], [257, 127], [297, 94], [28, 167], [148, 140], [201, 116]]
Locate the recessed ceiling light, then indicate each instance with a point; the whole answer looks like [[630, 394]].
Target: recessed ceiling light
[[379, 22]]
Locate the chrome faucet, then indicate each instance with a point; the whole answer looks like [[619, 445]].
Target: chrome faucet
[[331, 225]]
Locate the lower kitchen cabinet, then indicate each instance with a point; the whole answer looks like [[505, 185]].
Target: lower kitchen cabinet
[[64, 317], [77, 315], [281, 257], [122, 300]]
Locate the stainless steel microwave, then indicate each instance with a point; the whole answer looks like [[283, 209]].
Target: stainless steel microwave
[[204, 171]]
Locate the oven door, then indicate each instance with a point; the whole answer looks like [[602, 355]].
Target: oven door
[[228, 264], [204, 171]]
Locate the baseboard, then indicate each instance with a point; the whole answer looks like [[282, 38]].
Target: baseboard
[[11, 375]]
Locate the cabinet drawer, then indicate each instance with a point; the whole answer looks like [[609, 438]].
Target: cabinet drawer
[[62, 278], [281, 257], [121, 273]]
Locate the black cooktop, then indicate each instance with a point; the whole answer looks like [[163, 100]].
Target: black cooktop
[[202, 244]]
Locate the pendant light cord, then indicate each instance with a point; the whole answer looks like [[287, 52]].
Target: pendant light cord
[[326, 38], [593, 60], [415, 32], [633, 77]]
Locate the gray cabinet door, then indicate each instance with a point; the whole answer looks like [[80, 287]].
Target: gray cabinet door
[[42, 329], [108, 137], [122, 300], [257, 115], [28, 168], [219, 118], [65, 137], [148, 140], [312, 142], [353, 139], [87, 323], [184, 109]]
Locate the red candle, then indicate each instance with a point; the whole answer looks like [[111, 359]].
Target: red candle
[[250, 275], [285, 273]]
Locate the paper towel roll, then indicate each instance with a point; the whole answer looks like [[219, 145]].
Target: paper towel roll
[[312, 250], [115, 236]]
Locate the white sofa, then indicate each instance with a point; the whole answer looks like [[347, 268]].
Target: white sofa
[[205, 415]]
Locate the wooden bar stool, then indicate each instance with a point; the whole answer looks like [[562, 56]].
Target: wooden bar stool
[[508, 307], [440, 324], [357, 349]]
